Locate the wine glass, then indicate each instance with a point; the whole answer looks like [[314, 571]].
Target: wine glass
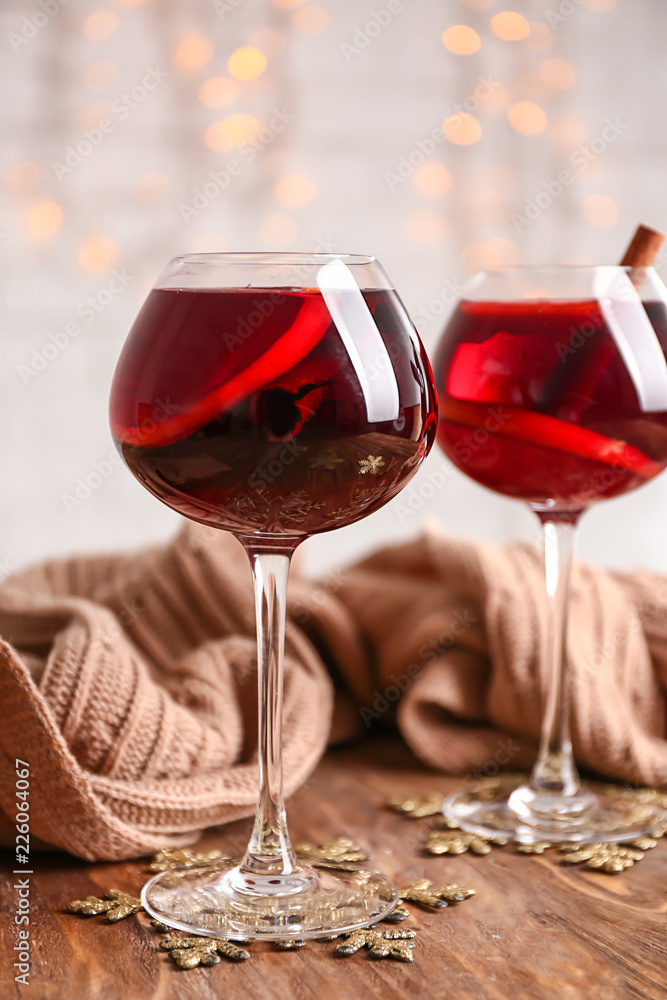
[[552, 386], [273, 396]]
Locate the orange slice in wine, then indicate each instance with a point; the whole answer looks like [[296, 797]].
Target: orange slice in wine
[[311, 323], [560, 435]]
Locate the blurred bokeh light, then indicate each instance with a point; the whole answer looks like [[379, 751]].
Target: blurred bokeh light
[[441, 137]]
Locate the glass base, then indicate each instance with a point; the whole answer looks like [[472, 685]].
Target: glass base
[[218, 900], [526, 817]]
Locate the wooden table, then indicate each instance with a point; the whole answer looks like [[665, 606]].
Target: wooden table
[[535, 930]]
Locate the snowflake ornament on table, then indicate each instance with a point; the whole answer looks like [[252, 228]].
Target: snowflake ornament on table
[[448, 841], [610, 858], [396, 943], [173, 857], [417, 807], [189, 952], [115, 905], [423, 892]]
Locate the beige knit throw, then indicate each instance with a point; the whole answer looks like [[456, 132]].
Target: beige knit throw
[[128, 683]]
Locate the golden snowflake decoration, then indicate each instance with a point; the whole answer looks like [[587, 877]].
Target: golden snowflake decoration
[[455, 841], [610, 858], [172, 857], [639, 794], [539, 847], [116, 905], [422, 892], [397, 916], [488, 787], [417, 807], [189, 952], [648, 842], [371, 465], [342, 852], [396, 943]]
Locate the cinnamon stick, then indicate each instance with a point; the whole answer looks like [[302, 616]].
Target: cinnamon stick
[[643, 248], [640, 254]]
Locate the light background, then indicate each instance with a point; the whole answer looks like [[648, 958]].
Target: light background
[[364, 82]]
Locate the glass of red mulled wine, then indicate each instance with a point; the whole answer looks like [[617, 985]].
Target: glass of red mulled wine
[[552, 388], [273, 396]]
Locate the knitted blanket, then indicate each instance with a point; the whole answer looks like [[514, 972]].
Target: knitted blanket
[[128, 683]]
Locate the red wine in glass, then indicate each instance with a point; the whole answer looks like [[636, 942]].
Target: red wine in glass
[[243, 408], [274, 396], [552, 387], [536, 401]]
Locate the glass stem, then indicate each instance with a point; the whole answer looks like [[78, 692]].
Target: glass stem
[[270, 850], [555, 772]]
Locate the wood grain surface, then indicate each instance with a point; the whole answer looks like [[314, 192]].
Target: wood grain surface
[[535, 930]]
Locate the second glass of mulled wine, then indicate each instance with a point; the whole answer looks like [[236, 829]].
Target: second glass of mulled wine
[[552, 386]]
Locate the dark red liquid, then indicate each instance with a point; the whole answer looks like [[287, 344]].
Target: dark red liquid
[[242, 408], [536, 401]]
